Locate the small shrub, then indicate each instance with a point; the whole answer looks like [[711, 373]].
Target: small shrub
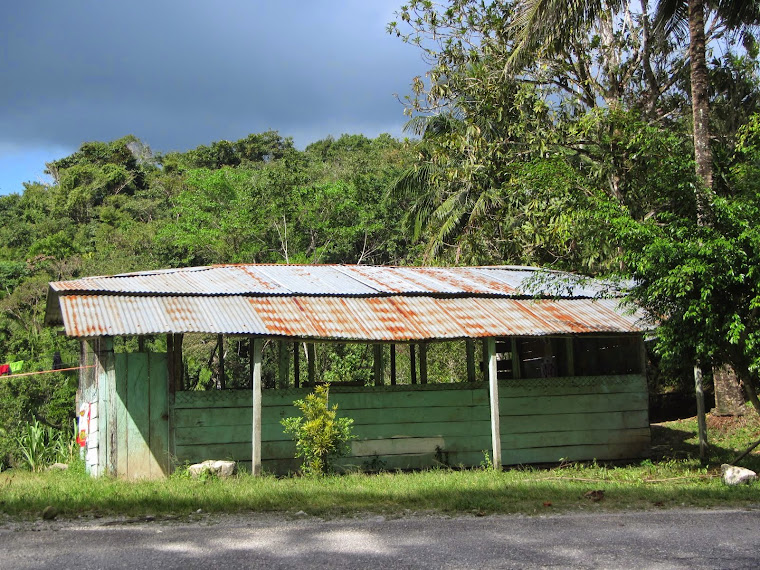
[[320, 436], [487, 462]]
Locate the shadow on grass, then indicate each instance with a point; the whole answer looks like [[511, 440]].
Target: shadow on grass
[[669, 442]]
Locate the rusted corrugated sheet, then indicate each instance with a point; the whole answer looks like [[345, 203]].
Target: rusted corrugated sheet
[[395, 318], [339, 280], [336, 301]]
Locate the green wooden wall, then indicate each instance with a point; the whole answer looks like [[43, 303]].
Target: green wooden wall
[[542, 420], [137, 417]]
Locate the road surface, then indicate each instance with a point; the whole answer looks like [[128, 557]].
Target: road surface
[[652, 539]]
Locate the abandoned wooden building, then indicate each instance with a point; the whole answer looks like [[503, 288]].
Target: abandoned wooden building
[[552, 367]]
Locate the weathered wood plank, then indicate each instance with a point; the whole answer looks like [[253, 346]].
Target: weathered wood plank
[[237, 416], [519, 387], [274, 432], [599, 420], [573, 438], [368, 396], [138, 422], [122, 445], [548, 405], [158, 413], [362, 448], [604, 452]]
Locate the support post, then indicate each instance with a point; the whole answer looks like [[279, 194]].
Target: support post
[[296, 366], [393, 365], [701, 419], [255, 356], [470, 350], [311, 355], [283, 372], [170, 362], [378, 364], [570, 356], [220, 345], [493, 391], [515, 360], [423, 363], [412, 364]]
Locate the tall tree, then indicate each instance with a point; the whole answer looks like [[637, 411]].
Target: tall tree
[[550, 25]]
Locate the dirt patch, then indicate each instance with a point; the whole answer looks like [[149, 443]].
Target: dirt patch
[[731, 424]]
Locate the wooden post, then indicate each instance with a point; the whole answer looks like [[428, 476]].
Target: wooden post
[[701, 419], [178, 381], [393, 365], [412, 364], [296, 366], [515, 359], [423, 363], [284, 364], [255, 356], [570, 356], [378, 364], [470, 350], [311, 355], [220, 345], [170, 361], [493, 390]]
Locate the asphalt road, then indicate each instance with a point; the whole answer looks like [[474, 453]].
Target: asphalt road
[[654, 539]]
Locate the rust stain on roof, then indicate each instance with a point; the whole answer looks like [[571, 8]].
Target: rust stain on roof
[[327, 301]]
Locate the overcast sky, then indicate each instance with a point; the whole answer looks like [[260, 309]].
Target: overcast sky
[[180, 73]]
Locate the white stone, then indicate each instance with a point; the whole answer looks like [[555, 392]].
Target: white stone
[[216, 467], [57, 467], [733, 475]]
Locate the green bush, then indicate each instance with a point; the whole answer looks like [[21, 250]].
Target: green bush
[[320, 436]]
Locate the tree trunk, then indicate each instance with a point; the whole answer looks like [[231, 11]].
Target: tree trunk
[[729, 398], [700, 106]]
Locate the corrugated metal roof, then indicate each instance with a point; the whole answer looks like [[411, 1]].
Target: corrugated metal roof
[[337, 301], [347, 318], [338, 280]]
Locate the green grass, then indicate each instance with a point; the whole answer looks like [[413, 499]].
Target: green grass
[[674, 477]]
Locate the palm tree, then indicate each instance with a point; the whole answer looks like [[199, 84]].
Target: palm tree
[[546, 25]]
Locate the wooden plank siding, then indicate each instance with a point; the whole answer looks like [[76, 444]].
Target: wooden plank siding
[[140, 435], [411, 426]]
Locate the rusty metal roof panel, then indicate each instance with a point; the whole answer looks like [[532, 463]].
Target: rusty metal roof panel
[[337, 301], [349, 318], [112, 315], [338, 280], [221, 280]]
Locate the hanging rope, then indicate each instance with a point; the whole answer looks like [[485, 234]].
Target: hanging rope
[[46, 371]]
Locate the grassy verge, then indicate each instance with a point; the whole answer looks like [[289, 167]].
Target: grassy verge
[[672, 478]]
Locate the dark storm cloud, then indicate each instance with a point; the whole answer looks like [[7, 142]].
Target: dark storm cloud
[[182, 73]]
